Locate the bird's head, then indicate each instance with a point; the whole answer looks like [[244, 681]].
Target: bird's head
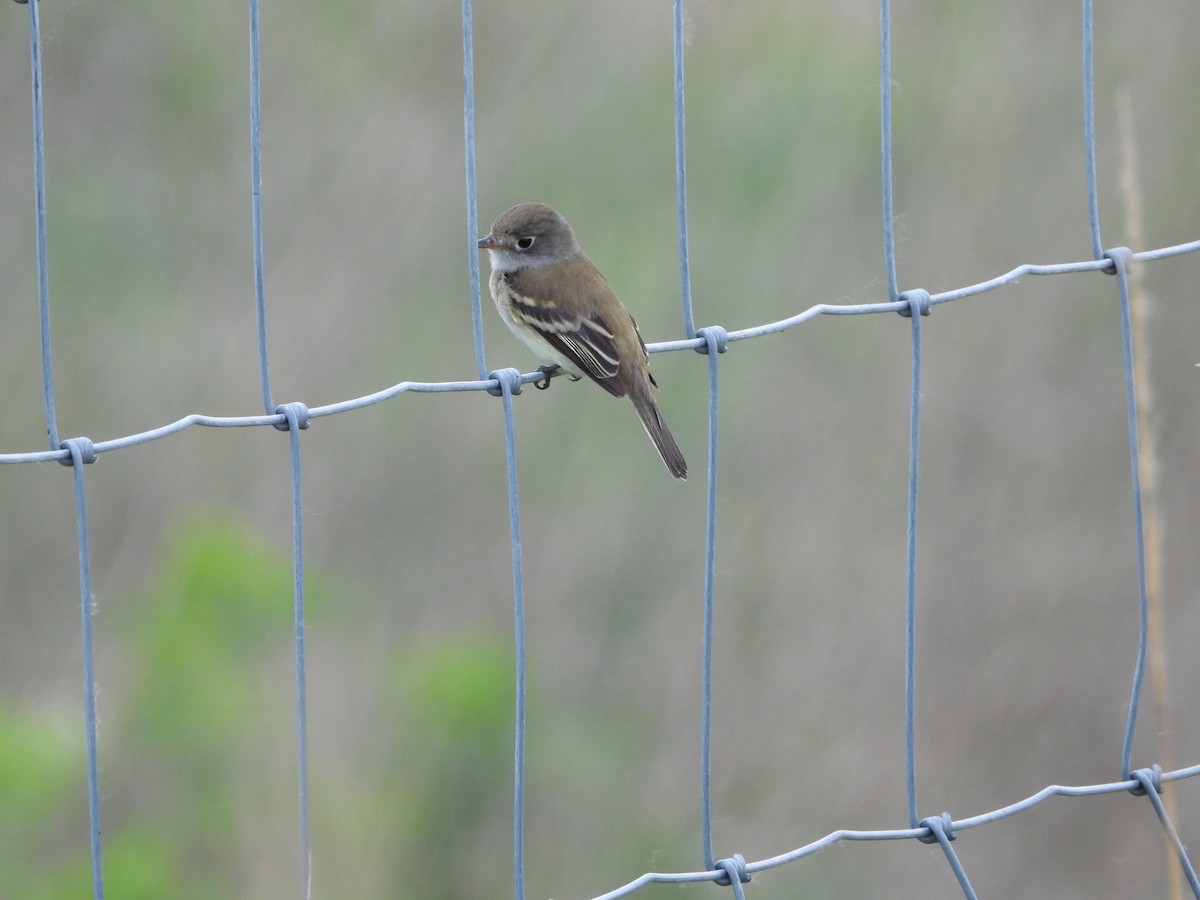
[[528, 236]]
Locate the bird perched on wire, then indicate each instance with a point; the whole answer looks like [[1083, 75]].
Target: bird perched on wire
[[558, 303]]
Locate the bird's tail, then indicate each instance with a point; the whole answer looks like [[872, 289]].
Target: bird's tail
[[642, 396]]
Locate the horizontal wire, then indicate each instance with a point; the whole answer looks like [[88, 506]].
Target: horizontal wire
[[897, 834], [437, 387]]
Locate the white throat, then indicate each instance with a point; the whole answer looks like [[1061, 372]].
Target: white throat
[[506, 261]]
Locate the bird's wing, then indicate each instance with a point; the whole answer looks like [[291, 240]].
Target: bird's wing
[[572, 325]]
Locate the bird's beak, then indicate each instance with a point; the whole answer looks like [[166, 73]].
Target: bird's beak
[[487, 242]]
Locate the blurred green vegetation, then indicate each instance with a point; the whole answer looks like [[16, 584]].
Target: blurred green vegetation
[[1025, 568], [195, 654]]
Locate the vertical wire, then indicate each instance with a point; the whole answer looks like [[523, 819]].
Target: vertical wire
[[889, 257], [1089, 131], [39, 199], [297, 419], [1156, 653], [472, 197], [1120, 259], [89, 674], [885, 147], [709, 569], [260, 302], [514, 527], [910, 586], [685, 277], [938, 827], [1154, 793]]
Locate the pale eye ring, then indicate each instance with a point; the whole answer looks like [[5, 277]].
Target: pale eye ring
[[524, 243]]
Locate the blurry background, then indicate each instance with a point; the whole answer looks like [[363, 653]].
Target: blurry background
[[1027, 591]]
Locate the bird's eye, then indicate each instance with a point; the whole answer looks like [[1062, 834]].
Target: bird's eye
[[524, 243]]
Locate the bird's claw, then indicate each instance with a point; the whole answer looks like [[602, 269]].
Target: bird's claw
[[548, 373]]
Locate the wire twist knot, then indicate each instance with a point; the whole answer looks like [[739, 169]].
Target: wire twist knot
[[1147, 780], [918, 302], [937, 826], [510, 378], [715, 338], [1121, 258], [80, 448], [734, 867], [294, 415]]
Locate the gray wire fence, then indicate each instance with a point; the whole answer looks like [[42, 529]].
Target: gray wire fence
[[735, 870]]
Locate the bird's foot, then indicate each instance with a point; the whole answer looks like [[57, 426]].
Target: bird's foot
[[548, 373]]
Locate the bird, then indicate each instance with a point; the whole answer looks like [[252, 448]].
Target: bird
[[561, 307]]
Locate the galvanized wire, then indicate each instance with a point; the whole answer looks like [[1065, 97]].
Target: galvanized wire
[[296, 420], [256, 218], [685, 268], [39, 206], [506, 383], [714, 344], [468, 35], [81, 453]]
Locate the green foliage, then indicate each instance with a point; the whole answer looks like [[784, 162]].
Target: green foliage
[[451, 761], [201, 750], [221, 596], [169, 758], [41, 801]]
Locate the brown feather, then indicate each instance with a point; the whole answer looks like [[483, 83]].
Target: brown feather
[[548, 290]]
